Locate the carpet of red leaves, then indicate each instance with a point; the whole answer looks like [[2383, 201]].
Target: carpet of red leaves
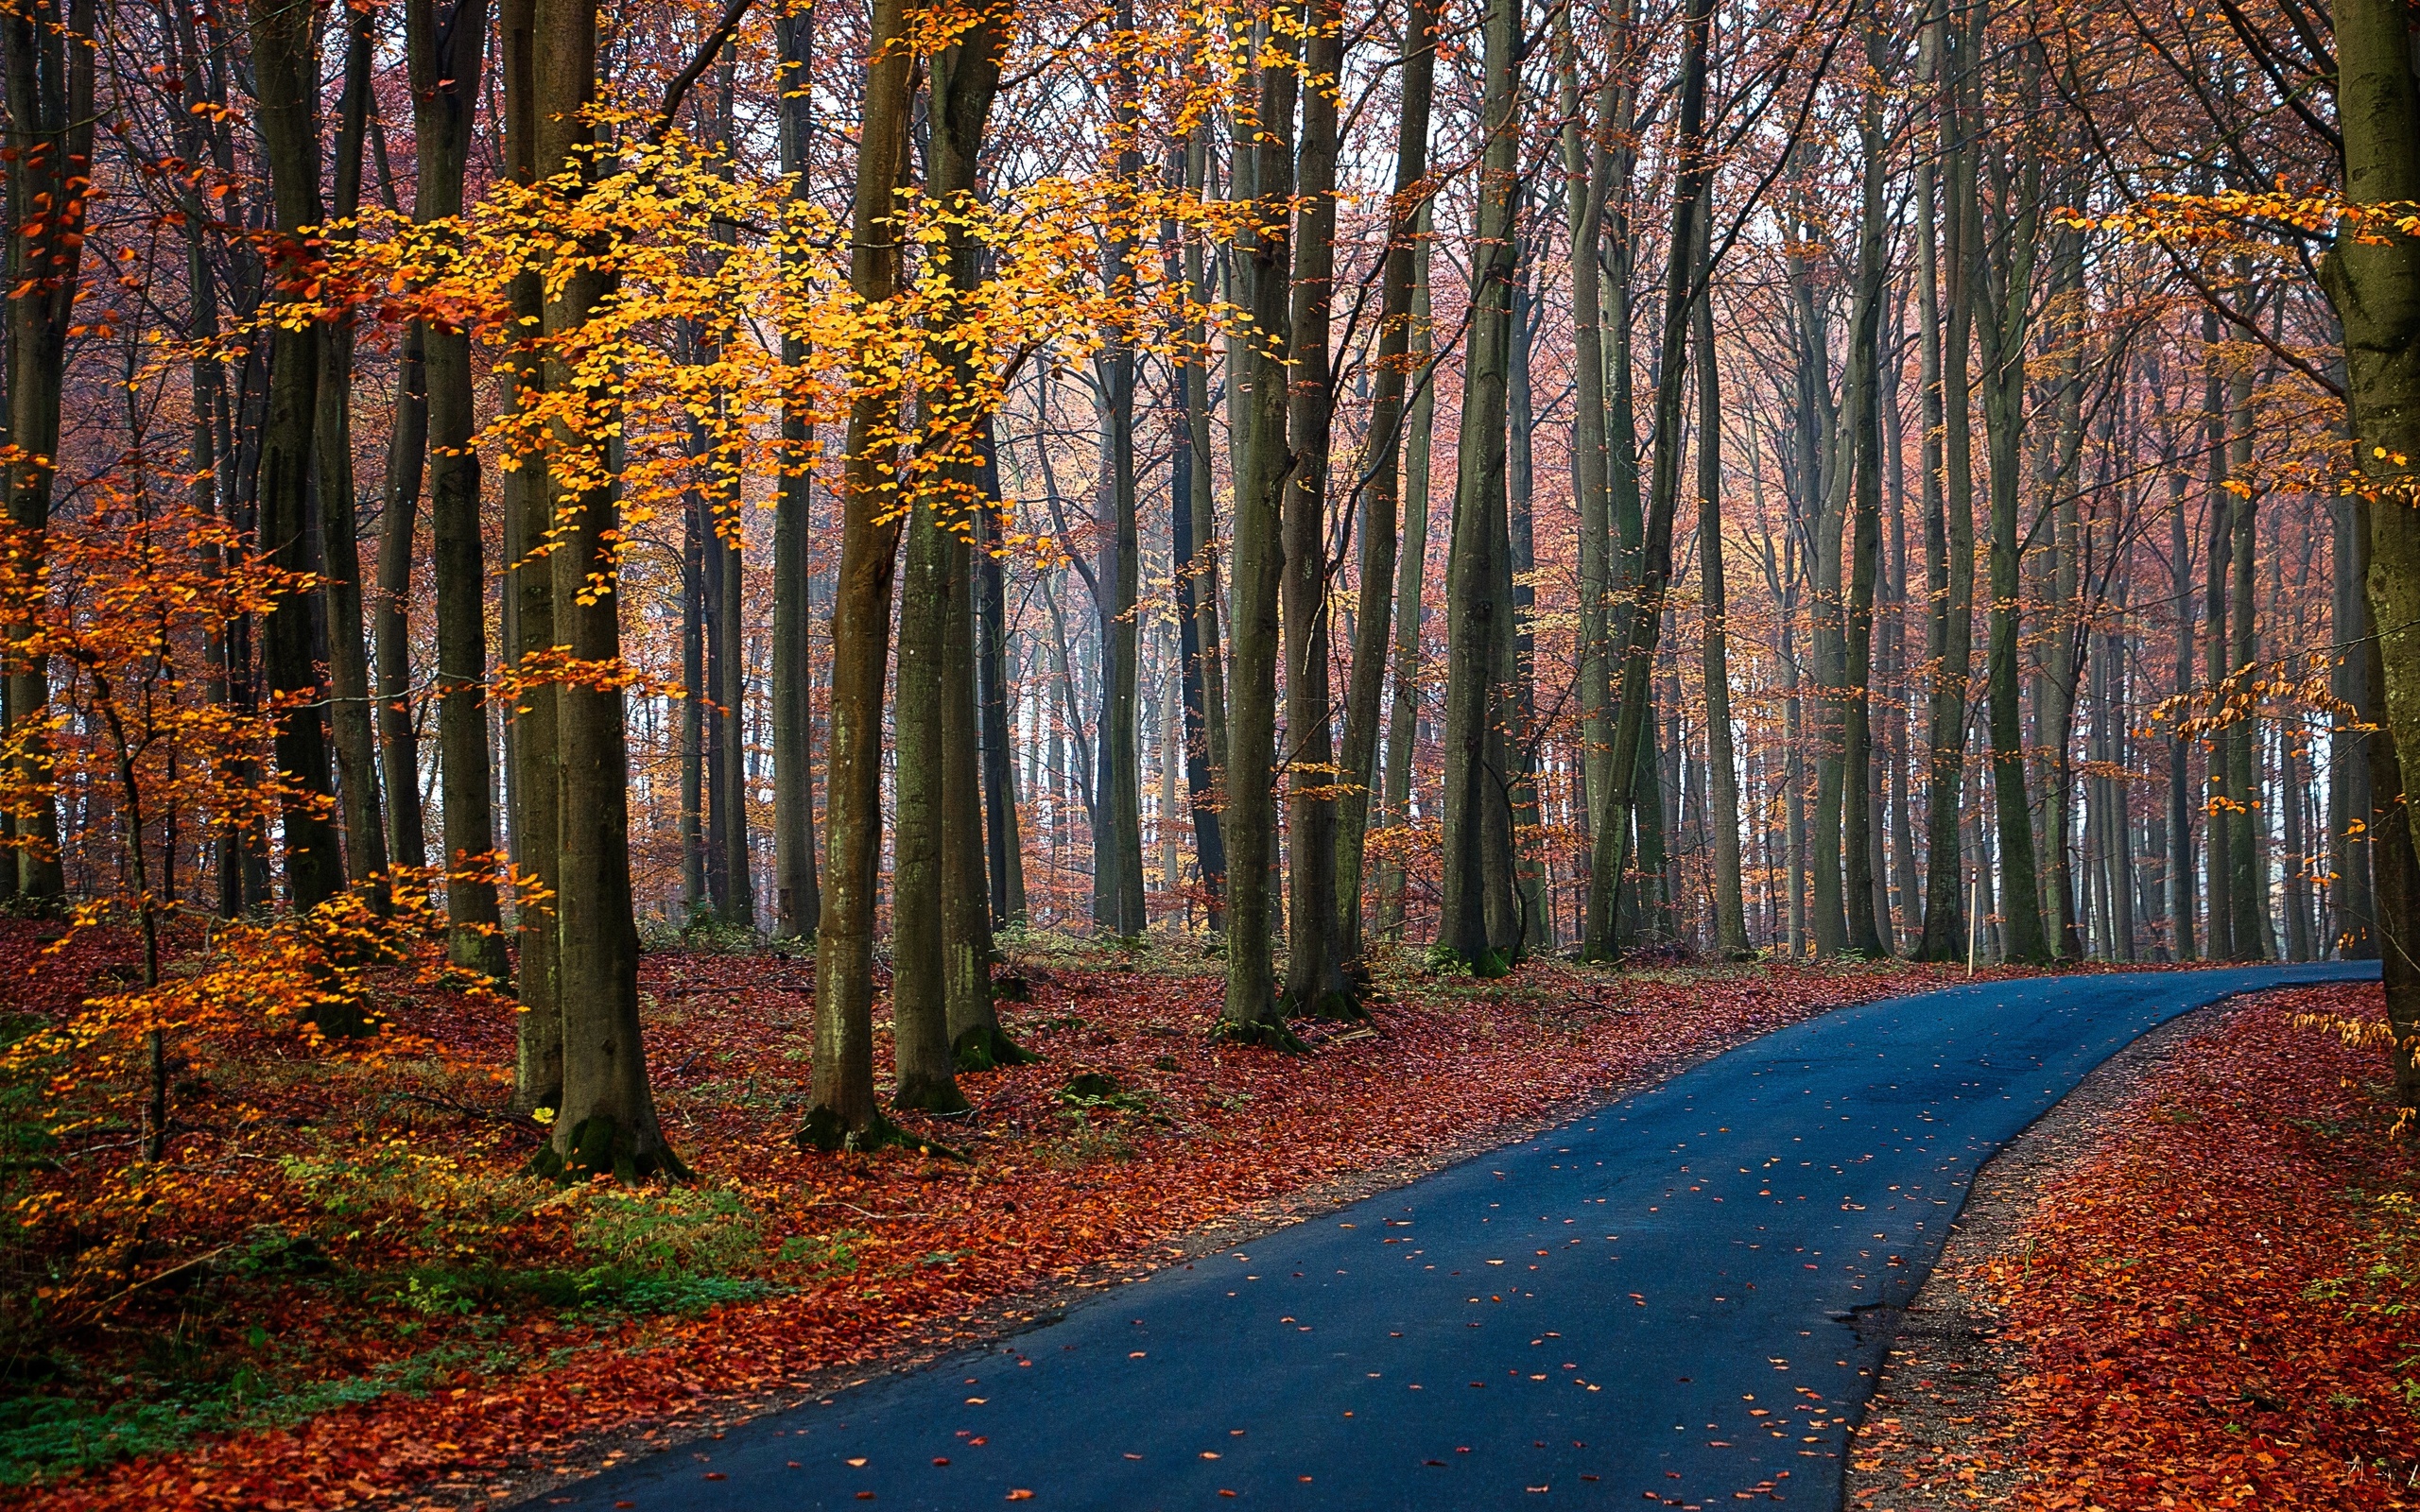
[[2214, 1308], [1219, 1139]]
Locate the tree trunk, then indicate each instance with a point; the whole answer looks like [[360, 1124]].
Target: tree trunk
[[1003, 838], [49, 51], [1384, 480], [1117, 834], [2180, 886], [1193, 535], [1864, 446], [1411, 573], [2216, 612], [285, 66], [529, 584], [349, 708], [1477, 583], [2004, 276], [2247, 889], [399, 519], [841, 1107], [441, 117], [919, 984], [1725, 819], [2352, 903], [608, 1120], [1948, 490], [797, 902], [1314, 964], [1643, 616], [1263, 257]]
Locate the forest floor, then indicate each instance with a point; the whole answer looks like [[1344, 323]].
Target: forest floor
[[340, 1286], [2194, 1283]]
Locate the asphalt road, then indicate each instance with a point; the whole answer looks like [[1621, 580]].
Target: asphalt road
[[1674, 1296]]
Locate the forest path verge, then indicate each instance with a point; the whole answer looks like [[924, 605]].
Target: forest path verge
[[1685, 1295]]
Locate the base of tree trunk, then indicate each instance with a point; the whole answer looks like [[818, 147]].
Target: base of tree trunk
[[827, 1131], [936, 1095], [1334, 1004], [600, 1146], [988, 1047], [1270, 1034]]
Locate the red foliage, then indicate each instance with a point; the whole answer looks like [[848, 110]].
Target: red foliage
[[2200, 1321], [1224, 1137]]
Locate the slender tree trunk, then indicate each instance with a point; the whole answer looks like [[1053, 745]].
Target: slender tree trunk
[[349, 715], [1588, 165], [842, 1105], [1477, 583], [2004, 277], [2247, 889], [697, 679], [2181, 887], [1003, 836], [1194, 538], [1643, 617], [1411, 573], [285, 66], [608, 1120], [1730, 916], [1949, 488], [1314, 965], [1384, 481], [797, 900], [399, 519], [530, 587], [1858, 796], [1263, 257], [735, 857], [451, 52], [2216, 612], [2352, 901], [1117, 832], [1604, 924]]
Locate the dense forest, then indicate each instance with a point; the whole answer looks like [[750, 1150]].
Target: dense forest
[[1645, 481]]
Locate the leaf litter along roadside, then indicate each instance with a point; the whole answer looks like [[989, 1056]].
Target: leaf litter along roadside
[[2194, 1284], [389, 1307]]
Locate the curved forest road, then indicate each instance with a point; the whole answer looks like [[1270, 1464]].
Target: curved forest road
[[1683, 1294]]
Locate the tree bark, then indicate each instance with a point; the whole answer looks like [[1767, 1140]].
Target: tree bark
[[1643, 615], [1725, 818], [529, 582], [1478, 778], [1374, 617], [1192, 537], [49, 65], [1263, 257], [2003, 276], [607, 1122], [1314, 962], [285, 67], [797, 900], [450, 53], [349, 715], [841, 1107], [1411, 573], [1864, 423], [1949, 488], [1119, 903]]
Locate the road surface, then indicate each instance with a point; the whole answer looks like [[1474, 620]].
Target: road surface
[[1685, 1295]]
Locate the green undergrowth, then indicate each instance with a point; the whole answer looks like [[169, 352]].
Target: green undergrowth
[[193, 1389], [431, 1267]]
